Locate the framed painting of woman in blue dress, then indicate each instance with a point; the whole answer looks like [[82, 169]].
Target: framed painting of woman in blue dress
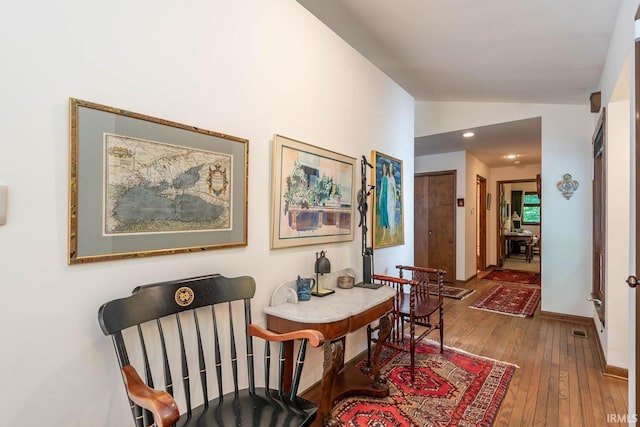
[[388, 215]]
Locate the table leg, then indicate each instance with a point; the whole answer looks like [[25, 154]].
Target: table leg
[[333, 361], [383, 334]]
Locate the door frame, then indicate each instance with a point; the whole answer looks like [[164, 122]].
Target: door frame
[[499, 226], [481, 223], [637, 206]]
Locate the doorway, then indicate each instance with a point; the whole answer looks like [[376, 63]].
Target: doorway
[[434, 221], [518, 224]]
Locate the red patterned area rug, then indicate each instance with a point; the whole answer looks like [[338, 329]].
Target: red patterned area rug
[[455, 388], [519, 301], [513, 276]]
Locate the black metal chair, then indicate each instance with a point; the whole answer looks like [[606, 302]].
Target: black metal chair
[[417, 299], [185, 330]]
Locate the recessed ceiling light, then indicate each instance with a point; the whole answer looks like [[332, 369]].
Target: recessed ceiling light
[[517, 162], [511, 156], [468, 134]]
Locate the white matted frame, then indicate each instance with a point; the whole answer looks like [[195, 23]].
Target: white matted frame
[[313, 194]]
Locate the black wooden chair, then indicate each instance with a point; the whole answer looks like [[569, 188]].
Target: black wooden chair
[[418, 298], [185, 330]]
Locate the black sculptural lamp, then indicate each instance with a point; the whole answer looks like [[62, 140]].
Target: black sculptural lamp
[[363, 208], [322, 266]]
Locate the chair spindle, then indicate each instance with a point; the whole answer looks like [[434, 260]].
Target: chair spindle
[[201, 363], [185, 367]]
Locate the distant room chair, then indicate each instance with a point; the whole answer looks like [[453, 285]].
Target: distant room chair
[[184, 335], [533, 248], [418, 298]]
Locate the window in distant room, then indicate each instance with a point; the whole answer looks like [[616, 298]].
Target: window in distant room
[[531, 208]]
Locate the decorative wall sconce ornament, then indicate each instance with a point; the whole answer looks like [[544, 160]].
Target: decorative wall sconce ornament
[[567, 186]]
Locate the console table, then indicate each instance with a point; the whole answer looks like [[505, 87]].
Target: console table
[[512, 236], [335, 316]]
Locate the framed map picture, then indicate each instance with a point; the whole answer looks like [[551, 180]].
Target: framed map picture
[[142, 186], [388, 215]]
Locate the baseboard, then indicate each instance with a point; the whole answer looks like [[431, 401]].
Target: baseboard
[[616, 372], [464, 282], [570, 318]]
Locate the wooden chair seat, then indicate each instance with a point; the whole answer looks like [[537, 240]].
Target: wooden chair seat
[[423, 308], [184, 332], [259, 409]]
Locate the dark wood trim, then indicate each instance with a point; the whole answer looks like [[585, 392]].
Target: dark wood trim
[[616, 372], [607, 370], [637, 219], [599, 215], [570, 318], [482, 221], [594, 101]]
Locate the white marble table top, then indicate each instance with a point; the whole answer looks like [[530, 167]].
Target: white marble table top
[[341, 305]]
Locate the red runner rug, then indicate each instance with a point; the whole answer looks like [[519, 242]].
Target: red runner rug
[[450, 389], [513, 276], [519, 301]]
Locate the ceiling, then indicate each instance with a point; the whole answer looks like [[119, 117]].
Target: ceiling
[[533, 51]]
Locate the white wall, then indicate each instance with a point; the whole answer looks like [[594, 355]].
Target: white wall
[[446, 162], [249, 69], [566, 148]]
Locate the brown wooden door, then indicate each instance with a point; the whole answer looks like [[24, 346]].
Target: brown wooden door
[[434, 222]]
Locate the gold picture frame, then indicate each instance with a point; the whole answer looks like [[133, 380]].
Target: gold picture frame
[[313, 195], [142, 186], [388, 213]]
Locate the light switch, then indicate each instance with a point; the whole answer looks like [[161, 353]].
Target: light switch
[[3, 204]]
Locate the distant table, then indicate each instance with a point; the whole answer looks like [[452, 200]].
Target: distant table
[[335, 315], [512, 236]]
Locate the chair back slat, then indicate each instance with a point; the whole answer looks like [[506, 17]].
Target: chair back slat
[[298, 370], [184, 366], [234, 354], [430, 281], [281, 370], [267, 366], [147, 417], [249, 343], [218, 358], [145, 357], [201, 363], [166, 366]]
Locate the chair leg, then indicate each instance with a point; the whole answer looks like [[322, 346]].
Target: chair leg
[[441, 329], [369, 345]]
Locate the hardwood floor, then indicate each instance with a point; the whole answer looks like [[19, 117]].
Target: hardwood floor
[[559, 381]]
